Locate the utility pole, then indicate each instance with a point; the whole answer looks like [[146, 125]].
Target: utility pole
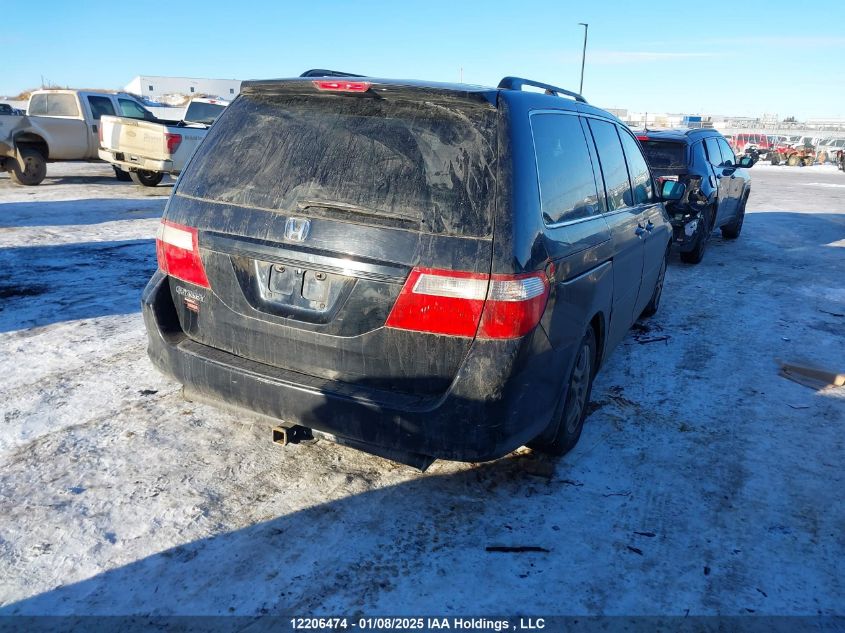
[[583, 56]]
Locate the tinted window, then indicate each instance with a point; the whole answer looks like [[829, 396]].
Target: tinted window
[[728, 157], [53, 105], [567, 187], [612, 164], [665, 154], [131, 109], [202, 112], [637, 168], [100, 106], [713, 153], [415, 164]]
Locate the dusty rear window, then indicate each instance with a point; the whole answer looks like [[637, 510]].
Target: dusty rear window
[[413, 164], [202, 112], [58, 104], [665, 155]]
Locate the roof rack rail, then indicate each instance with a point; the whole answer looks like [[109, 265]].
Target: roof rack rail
[[321, 72], [516, 83]]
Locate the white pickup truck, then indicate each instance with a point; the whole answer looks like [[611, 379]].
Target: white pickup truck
[[59, 125], [148, 150]]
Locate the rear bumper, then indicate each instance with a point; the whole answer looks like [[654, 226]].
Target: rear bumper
[[128, 162], [495, 404]]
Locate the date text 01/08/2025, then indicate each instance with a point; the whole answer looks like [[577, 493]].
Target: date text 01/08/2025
[[416, 624]]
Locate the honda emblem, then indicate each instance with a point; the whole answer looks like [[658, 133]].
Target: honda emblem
[[296, 229]]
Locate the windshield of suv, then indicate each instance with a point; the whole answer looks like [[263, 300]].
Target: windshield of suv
[[665, 154], [407, 163]]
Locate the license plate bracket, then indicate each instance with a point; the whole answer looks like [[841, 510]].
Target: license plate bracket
[[316, 286]]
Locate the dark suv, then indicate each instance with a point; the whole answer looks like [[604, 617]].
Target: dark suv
[[717, 185], [417, 270]]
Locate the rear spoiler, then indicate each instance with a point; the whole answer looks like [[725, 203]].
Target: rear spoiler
[[320, 72], [377, 88]]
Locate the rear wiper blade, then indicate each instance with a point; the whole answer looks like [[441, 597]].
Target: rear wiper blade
[[304, 203], [355, 209]]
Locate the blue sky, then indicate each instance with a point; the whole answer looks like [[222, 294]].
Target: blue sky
[[741, 57]]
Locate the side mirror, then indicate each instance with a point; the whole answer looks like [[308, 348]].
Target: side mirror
[[672, 190], [746, 162]]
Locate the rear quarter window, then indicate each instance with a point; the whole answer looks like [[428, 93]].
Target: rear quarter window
[[564, 169], [407, 163]]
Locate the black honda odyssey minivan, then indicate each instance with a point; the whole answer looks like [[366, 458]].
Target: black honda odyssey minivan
[[418, 270]]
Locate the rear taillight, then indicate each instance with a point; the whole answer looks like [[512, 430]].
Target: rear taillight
[[178, 253], [100, 132], [642, 138], [340, 85], [470, 304], [173, 142]]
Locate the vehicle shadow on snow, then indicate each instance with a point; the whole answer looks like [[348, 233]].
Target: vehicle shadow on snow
[[795, 230], [789, 230], [50, 284], [107, 179], [79, 212], [367, 544]]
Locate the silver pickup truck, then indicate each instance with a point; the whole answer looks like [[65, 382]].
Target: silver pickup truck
[[147, 150], [59, 125]]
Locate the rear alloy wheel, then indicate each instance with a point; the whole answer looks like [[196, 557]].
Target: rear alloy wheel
[[793, 160], [146, 178], [731, 231], [654, 303], [568, 420], [807, 161], [705, 229], [30, 168]]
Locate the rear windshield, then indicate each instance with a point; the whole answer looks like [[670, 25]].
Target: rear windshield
[[53, 104], [665, 155], [411, 164], [201, 112]]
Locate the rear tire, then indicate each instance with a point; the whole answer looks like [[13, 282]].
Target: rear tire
[[731, 231], [30, 168], [822, 158], [146, 178], [775, 159], [697, 254], [793, 160], [568, 420], [121, 175]]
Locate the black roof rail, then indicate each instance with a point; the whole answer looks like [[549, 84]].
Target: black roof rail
[[516, 83], [321, 72]]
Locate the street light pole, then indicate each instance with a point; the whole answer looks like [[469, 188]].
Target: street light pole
[[583, 56]]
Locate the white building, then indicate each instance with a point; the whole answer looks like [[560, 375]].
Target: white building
[[159, 88]]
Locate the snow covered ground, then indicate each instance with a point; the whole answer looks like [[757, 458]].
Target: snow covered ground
[[704, 483]]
